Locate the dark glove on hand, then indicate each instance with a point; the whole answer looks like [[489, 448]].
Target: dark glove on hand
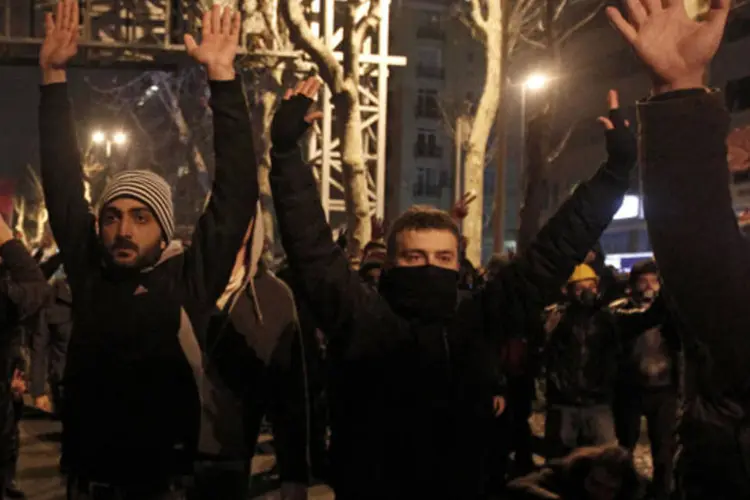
[[622, 147], [289, 123]]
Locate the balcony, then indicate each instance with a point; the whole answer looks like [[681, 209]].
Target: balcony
[[431, 32], [422, 150], [433, 72]]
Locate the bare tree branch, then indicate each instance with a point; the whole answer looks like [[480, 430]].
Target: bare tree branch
[[368, 22], [477, 18], [529, 41], [557, 151], [301, 34], [560, 9], [583, 22]]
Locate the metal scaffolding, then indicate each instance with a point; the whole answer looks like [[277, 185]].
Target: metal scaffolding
[[148, 34]]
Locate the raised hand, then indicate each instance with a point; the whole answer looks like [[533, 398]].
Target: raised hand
[[622, 146], [460, 209], [675, 48], [294, 117], [219, 43], [60, 40]]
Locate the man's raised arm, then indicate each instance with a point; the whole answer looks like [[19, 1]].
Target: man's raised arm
[[703, 258], [576, 227], [221, 229], [335, 293], [62, 173]]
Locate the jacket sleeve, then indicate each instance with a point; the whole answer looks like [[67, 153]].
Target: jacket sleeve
[[335, 293], [221, 229], [703, 257], [70, 216], [40, 343], [25, 289], [532, 279], [288, 409]]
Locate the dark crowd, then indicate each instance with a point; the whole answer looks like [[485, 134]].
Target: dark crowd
[[404, 372]]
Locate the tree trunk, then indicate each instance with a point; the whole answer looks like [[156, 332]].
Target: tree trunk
[[498, 244], [354, 167], [537, 146], [474, 162]]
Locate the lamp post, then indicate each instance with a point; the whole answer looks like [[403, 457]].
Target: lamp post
[[534, 83]]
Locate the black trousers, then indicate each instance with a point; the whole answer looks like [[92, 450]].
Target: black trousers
[[520, 398], [660, 409]]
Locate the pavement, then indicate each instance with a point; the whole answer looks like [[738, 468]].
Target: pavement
[[39, 476]]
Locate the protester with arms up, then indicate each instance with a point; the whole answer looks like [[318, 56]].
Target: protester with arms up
[[23, 291], [703, 258], [132, 412], [412, 377]]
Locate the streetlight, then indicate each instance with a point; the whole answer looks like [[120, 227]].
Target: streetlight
[[537, 81], [118, 138]]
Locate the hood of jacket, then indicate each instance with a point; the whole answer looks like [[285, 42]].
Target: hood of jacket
[[244, 273]]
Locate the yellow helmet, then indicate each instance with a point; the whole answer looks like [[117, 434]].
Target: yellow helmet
[[582, 272]]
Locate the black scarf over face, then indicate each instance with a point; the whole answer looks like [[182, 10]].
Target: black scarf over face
[[427, 293]]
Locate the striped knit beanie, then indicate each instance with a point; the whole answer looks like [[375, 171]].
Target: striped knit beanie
[[148, 188]]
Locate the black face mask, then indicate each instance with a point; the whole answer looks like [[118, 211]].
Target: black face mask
[[424, 292], [587, 299]]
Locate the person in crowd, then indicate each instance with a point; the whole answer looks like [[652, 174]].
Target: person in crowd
[[373, 258], [704, 260], [649, 380], [580, 364], [49, 341], [18, 387], [140, 304], [589, 473], [411, 376], [23, 291], [256, 362]]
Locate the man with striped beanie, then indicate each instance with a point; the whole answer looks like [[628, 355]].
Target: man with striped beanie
[[134, 376], [136, 218]]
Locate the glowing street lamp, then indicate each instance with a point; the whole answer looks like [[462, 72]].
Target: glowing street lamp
[[537, 81], [99, 137]]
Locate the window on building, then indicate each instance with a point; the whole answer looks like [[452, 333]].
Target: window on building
[[428, 182], [738, 94], [427, 104], [427, 144], [430, 57]]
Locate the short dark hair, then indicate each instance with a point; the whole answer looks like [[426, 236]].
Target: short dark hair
[[421, 218], [647, 266]]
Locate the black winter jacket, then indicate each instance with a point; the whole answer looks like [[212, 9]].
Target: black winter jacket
[[581, 356], [132, 407], [704, 261], [650, 343], [409, 401]]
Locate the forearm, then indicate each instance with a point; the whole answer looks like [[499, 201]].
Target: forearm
[[222, 227], [62, 172], [690, 217]]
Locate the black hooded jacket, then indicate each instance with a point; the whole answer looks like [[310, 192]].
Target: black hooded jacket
[[410, 398], [132, 400]]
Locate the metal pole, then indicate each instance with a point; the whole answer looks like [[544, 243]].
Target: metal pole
[[457, 168], [327, 14], [382, 110]]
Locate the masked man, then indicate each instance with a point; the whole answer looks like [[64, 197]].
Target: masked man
[[132, 405], [649, 380], [580, 362], [412, 378]]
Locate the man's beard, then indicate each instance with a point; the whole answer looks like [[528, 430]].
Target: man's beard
[[142, 259]]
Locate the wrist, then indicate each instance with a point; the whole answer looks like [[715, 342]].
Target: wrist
[[695, 81], [220, 73], [52, 75]]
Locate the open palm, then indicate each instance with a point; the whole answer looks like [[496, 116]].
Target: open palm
[[673, 46], [61, 36], [220, 38]]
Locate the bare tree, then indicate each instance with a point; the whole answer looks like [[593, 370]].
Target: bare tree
[[344, 81], [503, 27]]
